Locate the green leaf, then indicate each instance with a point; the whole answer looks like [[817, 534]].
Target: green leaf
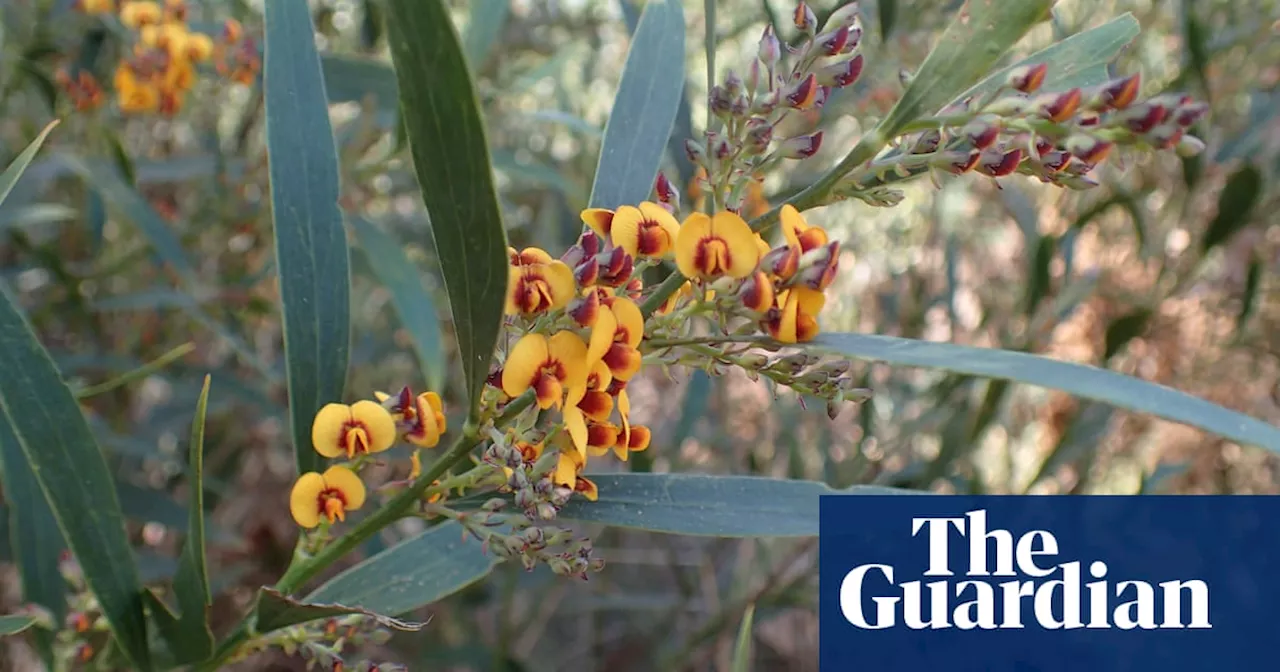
[[1249, 302], [1124, 329], [416, 572], [742, 649], [1078, 61], [981, 33], [1083, 381], [274, 611], [311, 243], [13, 624], [408, 295], [189, 637], [483, 29], [451, 159], [11, 174], [704, 505], [72, 473], [644, 109], [887, 11], [1235, 204], [351, 79], [34, 536]]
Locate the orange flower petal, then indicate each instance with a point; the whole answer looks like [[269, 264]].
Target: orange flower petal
[[599, 220], [328, 430], [630, 321], [377, 422], [524, 361], [346, 483], [304, 499], [695, 229]]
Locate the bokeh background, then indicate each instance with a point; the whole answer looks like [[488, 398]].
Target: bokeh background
[[1117, 276]]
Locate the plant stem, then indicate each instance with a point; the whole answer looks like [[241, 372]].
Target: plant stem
[[301, 571], [138, 373]]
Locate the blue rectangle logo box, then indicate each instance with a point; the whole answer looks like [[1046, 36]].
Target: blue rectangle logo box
[[1094, 583]]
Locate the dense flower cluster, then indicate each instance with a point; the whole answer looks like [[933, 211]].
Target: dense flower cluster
[[160, 69]]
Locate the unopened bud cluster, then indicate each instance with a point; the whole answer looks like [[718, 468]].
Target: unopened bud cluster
[[1058, 137], [322, 643], [831, 380], [781, 83]]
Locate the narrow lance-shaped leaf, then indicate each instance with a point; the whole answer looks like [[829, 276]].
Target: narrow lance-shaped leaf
[[73, 475], [742, 649], [1235, 204], [413, 304], [451, 158], [311, 243], [644, 109], [1083, 381], [15, 169]]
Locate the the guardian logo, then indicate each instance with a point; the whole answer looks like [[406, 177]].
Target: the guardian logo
[[1021, 583]]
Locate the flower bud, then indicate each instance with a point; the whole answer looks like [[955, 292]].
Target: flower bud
[[800, 96], [955, 162], [781, 262], [757, 293], [732, 84], [804, 19], [881, 197], [982, 131], [832, 43], [740, 107], [514, 544], [753, 76], [584, 309], [996, 163], [767, 102], [844, 17], [1088, 120], [546, 511], [587, 273], [695, 151], [801, 147], [925, 142], [1116, 94], [841, 74], [590, 243], [1189, 146], [1057, 107], [759, 135], [769, 50], [559, 497], [665, 192], [616, 267], [1075, 182], [494, 504], [534, 537], [1088, 149], [1165, 136], [721, 149], [1143, 117], [1055, 161], [720, 101], [1027, 78], [1006, 107], [634, 288], [752, 360], [1189, 113]]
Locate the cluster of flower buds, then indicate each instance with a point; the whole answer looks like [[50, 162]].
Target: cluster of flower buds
[[769, 115], [1057, 137], [833, 381], [322, 643]]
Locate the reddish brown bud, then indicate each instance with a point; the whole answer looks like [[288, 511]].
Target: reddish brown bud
[[1027, 78], [824, 93], [841, 74], [982, 132], [1055, 161], [769, 50], [732, 83], [1117, 94], [721, 149], [662, 187], [958, 162], [587, 273], [846, 15], [759, 135], [1058, 107], [767, 102], [615, 267], [781, 262], [801, 147], [1165, 136], [1044, 145], [1190, 113], [925, 142], [995, 163], [801, 95], [804, 19], [833, 42], [818, 266], [1088, 149], [720, 101], [635, 287], [757, 292], [1088, 120], [1143, 117], [695, 151]]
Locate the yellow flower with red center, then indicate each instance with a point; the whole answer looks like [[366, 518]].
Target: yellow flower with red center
[[537, 283], [424, 416], [713, 247], [199, 47], [645, 231], [329, 495], [568, 474], [637, 441], [670, 304], [757, 293], [599, 220], [800, 233], [135, 15], [548, 366], [588, 405], [96, 6], [135, 93], [795, 317], [616, 336], [362, 428]]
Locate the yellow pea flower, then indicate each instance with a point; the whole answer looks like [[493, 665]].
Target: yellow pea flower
[[757, 293], [795, 317], [198, 47], [136, 14], [547, 365], [568, 473], [331, 495], [599, 220], [537, 283], [96, 6], [616, 336], [364, 427], [645, 231], [428, 422], [637, 442], [800, 233], [713, 247], [135, 95], [591, 402]]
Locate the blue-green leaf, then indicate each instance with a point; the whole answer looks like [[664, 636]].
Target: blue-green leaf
[[483, 29], [1235, 204], [15, 169], [274, 611], [413, 304], [717, 506], [1083, 381], [311, 243], [451, 158], [73, 475], [414, 573], [14, 624], [644, 109], [34, 536]]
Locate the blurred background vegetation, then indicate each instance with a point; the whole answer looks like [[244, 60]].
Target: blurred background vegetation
[[134, 234]]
